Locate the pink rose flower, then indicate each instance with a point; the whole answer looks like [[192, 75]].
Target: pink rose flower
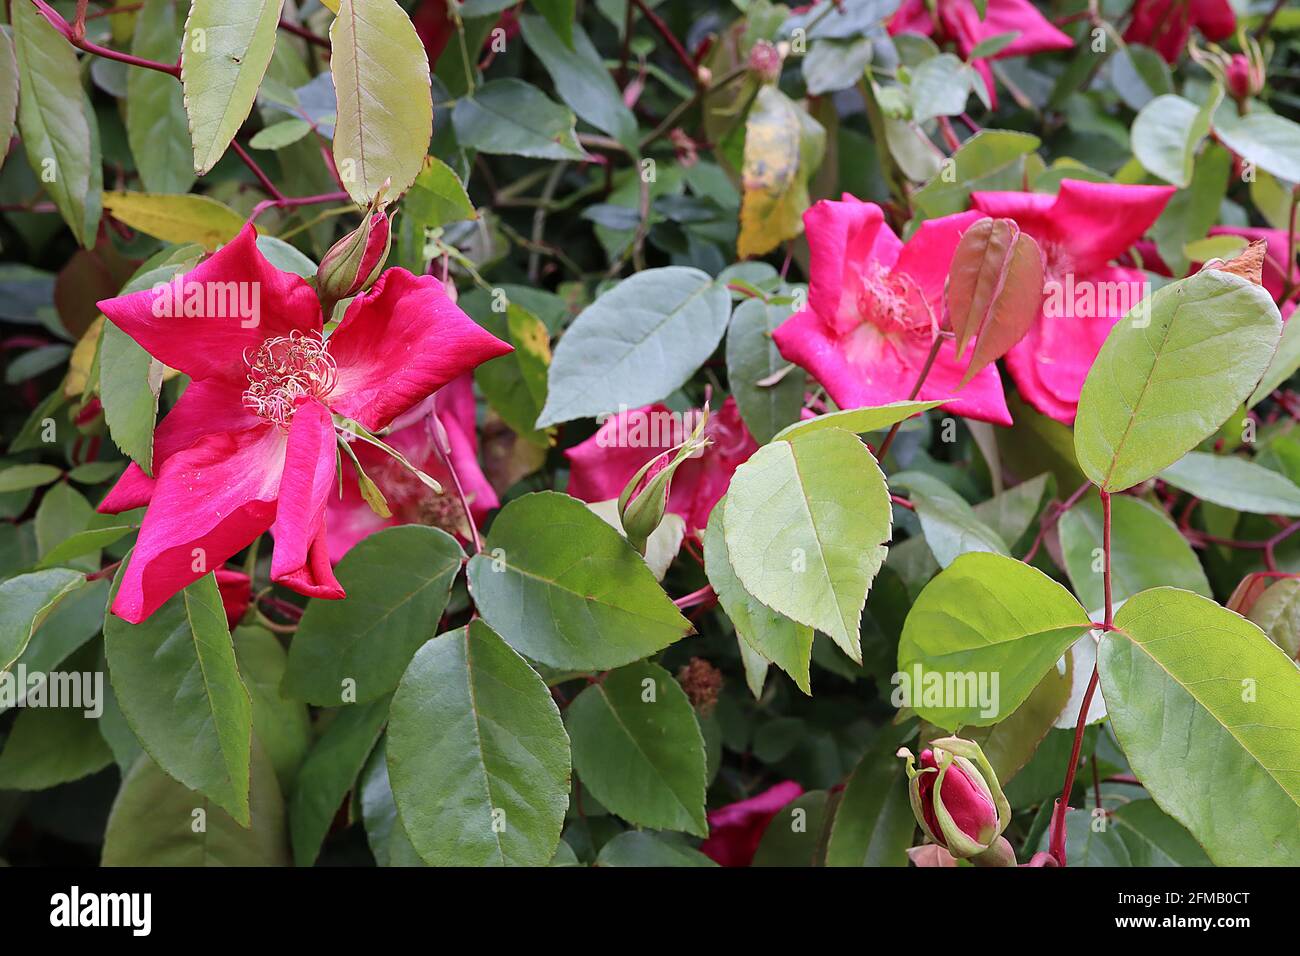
[[874, 308], [1165, 25], [601, 466], [736, 829], [959, 23], [250, 446], [1080, 231], [410, 500]]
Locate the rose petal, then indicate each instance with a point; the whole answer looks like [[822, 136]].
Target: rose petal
[[400, 342], [213, 343], [308, 478]]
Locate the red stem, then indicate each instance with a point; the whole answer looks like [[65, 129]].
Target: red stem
[[1063, 804], [290, 27], [81, 43], [678, 50]]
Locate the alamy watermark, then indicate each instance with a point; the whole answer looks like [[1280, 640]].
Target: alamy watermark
[[948, 689], [77, 690], [183, 298]]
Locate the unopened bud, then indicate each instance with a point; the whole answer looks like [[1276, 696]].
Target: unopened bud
[[354, 262], [765, 61], [956, 797], [1243, 76]]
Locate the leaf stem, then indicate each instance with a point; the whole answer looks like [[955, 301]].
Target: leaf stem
[[675, 44], [69, 33]]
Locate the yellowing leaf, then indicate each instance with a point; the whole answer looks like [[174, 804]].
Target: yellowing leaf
[[783, 148], [81, 360], [385, 101], [172, 218]]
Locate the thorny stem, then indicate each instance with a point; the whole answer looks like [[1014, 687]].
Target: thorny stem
[[1063, 804]]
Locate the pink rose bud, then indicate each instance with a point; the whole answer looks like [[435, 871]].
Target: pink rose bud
[[956, 797], [1244, 76], [765, 61], [354, 262]]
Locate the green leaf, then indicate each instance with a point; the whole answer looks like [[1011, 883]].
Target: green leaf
[[1139, 75], [940, 87], [228, 46], [1269, 141], [772, 636], [1285, 362], [437, 196], [950, 525], [564, 588], [1191, 212], [834, 65], [1147, 550], [1277, 612], [157, 126], [52, 745], [512, 118], [179, 688], [129, 382], [873, 823], [385, 103], [985, 615], [156, 822], [398, 582], [858, 420], [68, 626], [560, 14], [752, 356], [636, 343], [26, 601], [90, 541], [57, 122], [991, 159], [638, 748], [63, 513], [477, 754], [806, 524], [1011, 743], [1181, 669], [783, 148], [282, 725], [329, 772], [1235, 483], [639, 848], [384, 831], [281, 134], [515, 384], [21, 477], [8, 90], [796, 836], [189, 218], [1086, 846], [1170, 374], [581, 79], [1154, 838], [1167, 133]]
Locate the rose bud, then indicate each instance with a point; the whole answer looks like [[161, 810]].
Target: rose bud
[[644, 500], [1244, 76], [957, 799], [354, 262]]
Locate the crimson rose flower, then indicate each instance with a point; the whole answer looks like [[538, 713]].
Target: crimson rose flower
[[250, 446]]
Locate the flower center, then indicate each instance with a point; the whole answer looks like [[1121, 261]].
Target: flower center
[[894, 304], [285, 370]]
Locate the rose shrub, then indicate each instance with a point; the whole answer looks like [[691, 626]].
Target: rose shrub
[[625, 432]]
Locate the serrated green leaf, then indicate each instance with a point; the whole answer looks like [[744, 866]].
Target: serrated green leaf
[[398, 581], [157, 126], [805, 524], [512, 118], [638, 748], [477, 754], [1170, 374], [26, 601], [564, 588], [752, 357], [1207, 710]]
